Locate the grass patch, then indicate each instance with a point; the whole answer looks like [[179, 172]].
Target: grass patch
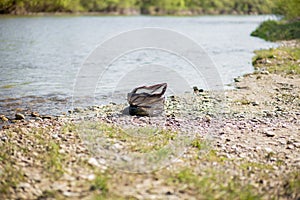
[[255, 166], [54, 160], [10, 175], [100, 183], [200, 144], [293, 185], [135, 139], [212, 156], [278, 30], [278, 60], [212, 185], [50, 194]]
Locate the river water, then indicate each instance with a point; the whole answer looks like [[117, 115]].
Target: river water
[[40, 56]]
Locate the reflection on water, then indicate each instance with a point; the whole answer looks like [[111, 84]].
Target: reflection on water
[[40, 56]]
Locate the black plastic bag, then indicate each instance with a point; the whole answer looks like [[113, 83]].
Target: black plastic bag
[[147, 100]]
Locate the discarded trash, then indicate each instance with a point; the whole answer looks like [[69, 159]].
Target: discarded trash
[[147, 100]]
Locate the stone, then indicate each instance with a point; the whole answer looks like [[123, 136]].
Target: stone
[[24, 185], [3, 118], [269, 133], [19, 116], [78, 110], [238, 79], [35, 114], [297, 144], [91, 177], [93, 162], [47, 117], [268, 150], [70, 194], [265, 72]]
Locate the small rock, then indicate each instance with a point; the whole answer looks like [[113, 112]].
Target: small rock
[[78, 110], [19, 116], [297, 144], [24, 185], [290, 146], [3, 118], [91, 177], [265, 72], [70, 194], [35, 114], [117, 146], [269, 133], [4, 138], [238, 79], [38, 119], [268, 150], [93, 162], [47, 117]]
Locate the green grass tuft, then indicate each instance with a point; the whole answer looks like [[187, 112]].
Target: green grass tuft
[[279, 60], [213, 185]]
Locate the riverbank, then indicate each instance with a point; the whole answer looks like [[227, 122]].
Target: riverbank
[[254, 153]]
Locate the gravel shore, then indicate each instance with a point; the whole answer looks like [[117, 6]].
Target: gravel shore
[[244, 146]]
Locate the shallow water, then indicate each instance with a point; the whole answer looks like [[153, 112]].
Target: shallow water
[[40, 56]]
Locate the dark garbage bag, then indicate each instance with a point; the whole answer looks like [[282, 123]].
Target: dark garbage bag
[[147, 100]]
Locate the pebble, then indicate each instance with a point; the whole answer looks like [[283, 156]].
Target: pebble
[[269, 133], [238, 79], [35, 114], [268, 150], [297, 144], [78, 110], [93, 162], [19, 116], [91, 177], [3, 118], [47, 117], [70, 194], [265, 72], [24, 185]]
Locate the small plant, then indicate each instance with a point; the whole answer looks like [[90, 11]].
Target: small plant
[[100, 183], [54, 160]]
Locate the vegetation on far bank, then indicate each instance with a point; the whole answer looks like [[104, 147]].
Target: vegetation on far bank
[[286, 29], [278, 30], [152, 7]]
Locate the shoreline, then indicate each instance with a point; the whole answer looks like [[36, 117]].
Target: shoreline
[[100, 14], [254, 153]]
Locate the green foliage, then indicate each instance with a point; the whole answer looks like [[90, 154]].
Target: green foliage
[[213, 185], [290, 9], [279, 60], [100, 183], [278, 30], [144, 6]]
